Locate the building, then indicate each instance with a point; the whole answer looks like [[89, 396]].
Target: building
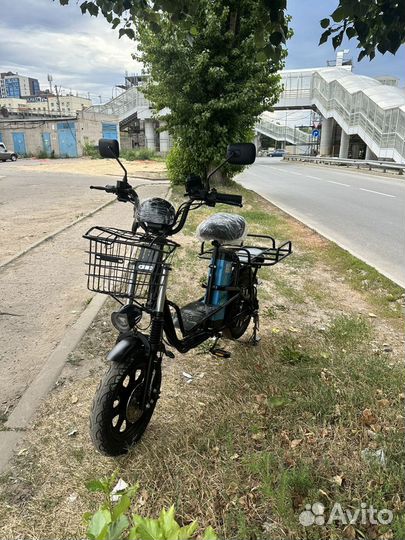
[[45, 104], [57, 137], [16, 86]]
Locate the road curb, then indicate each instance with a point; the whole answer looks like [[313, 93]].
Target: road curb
[[55, 233], [21, 416], [66, 227], [9, 441]]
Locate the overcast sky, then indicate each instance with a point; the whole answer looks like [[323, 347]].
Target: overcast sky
[[82, 53]]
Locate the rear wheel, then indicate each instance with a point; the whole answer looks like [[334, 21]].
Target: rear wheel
[[240, 311], [117, 420]]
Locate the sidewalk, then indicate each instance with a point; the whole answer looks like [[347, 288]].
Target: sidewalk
[[43, 294]]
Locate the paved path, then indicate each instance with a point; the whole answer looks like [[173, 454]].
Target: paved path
[[44, 292], [363, 213]]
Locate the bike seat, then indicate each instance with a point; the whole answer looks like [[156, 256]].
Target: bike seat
[[224, 228]]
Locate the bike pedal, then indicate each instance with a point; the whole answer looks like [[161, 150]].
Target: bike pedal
[[221, 353]]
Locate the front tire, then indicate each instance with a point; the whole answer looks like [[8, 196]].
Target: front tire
[[117, 422], [13, 158]]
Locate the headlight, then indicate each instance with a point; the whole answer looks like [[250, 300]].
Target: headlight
[[126, 318], [120, 321]]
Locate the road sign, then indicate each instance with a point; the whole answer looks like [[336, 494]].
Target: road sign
[[315, 133]]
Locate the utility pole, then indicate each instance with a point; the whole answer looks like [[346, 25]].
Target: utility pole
[[58, 100], [50, 82]]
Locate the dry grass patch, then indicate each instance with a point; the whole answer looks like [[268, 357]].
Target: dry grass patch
[[253, 438]]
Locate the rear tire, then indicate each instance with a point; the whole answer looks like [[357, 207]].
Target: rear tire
[[240, 311], [117, 421]]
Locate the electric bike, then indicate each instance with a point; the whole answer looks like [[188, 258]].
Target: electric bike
[[133, 267]]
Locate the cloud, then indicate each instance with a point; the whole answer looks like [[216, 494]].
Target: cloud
[[304, 52], [81, 52]]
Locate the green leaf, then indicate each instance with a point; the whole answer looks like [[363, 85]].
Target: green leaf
[[209, 534], [187, 532], [98, 485], [97, 529], [92, 9], [121, 507], [325, 22], [361, 56], [116, 528], [337, 40], [194, 31], [169, 527], [145, 529], [324, 37], [350, 32], [338, 14]]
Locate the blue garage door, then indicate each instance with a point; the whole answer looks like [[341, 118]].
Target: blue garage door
[[46, 143], [110, 131], [19, 144], [67, 139]]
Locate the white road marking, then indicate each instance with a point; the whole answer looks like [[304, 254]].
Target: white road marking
[[338, 183], [378, 193], [314, 177]]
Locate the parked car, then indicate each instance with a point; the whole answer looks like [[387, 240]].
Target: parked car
[[5, 155], [278, 152]]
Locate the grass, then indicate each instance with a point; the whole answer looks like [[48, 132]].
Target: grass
[[128, 155], [254, 438]]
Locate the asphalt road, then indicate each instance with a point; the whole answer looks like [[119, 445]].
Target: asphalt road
[[363, 213]]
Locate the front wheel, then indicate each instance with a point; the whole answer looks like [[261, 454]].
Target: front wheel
[[13, 157], [117, 420]]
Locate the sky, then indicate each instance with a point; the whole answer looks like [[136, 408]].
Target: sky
[[84, 54]]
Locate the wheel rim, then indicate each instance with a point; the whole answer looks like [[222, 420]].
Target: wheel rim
[[126, 414]]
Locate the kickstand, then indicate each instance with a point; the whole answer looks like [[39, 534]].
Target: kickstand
[[255, 338], [217, 351]]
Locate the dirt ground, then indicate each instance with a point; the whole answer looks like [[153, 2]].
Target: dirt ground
[[248, 440], [44, 291], [97, 167]]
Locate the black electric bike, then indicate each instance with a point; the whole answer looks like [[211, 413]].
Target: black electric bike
[[134, 267]]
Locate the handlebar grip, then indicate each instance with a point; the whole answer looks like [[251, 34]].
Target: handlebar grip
[[108, 189], [226, 198]]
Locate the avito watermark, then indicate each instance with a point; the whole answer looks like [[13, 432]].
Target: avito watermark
[[314, 514]]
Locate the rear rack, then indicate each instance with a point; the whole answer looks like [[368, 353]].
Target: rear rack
[[255, 255]]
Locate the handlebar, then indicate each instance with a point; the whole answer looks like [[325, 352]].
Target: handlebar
[[108, 189], [123, 190], [227, 198]]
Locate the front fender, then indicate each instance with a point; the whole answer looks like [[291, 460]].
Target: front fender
[[125, 345]]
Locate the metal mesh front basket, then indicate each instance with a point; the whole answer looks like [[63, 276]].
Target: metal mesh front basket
[[124, 264]]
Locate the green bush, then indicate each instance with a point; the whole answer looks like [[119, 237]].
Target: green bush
[[114, 521], [42, 154], [141, 153], [91, 150], [178, 165]]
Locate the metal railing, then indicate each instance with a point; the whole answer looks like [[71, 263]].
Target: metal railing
[[385, 166], [279, 132]]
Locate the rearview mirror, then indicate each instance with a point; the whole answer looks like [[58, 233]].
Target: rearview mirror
[[241, 154], [109, 148]]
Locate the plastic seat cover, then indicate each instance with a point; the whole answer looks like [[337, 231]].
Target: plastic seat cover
[[224, 228]]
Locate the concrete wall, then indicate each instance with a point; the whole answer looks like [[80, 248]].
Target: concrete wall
[[33, 134], [88, 126]]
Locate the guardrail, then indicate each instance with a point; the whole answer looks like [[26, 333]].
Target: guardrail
[[358, 163]]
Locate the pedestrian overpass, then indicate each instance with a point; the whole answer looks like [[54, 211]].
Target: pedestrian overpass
[[360, 105]]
